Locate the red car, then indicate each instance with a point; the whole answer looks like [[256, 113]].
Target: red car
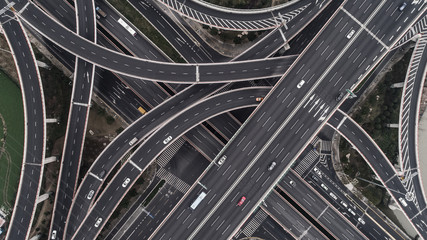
[[242, 200]]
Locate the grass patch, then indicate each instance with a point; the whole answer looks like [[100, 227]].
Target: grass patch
[[12, 139], [382, 107], [153, 193], [145, 27], [57, 93]]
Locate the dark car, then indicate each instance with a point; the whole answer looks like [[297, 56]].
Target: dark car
[[340, 96], [402, 6]]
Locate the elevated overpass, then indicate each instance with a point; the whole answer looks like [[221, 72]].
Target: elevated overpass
[[78, 115], [34, 128], [382, 167]]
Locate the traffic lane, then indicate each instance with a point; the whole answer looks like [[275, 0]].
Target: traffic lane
[[311, 205], [149, 70], [171, 31], [65, 12], [353, 212], [83, 82], [412, 130], [251, 70], [241, 14], [389, 20], [85, 12], [251, 183], [288, 216], [159, 207], [143, 157], [225, 124], [303, 194], [254, 179], [70, 166], [261, 113], [88, 230], [25, 204], [193, 116], [200, 42], [61, 10], [330, 218], [246, 140], [274, 39], [260, 50], [420, 221], [377, 162], [149, 92], [202, 140], [360, 9], [111, 155], [33, 101], [269, 229], [139, 45]]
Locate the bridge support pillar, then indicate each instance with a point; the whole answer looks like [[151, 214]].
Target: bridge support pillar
[[42, 198], [51, 120], [36, 237], [397, 85], [49, 160]]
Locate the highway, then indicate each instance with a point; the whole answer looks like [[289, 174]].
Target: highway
[[312, 64], [318, 208], [409, 117], [348, 46], [153, 146], [107, 86], [212, 125], [119, 147], [147, 69], [382, 167], [78, 115], [34, 129], [149, 94], [291, 220], [238, 19], [116, 159], [191, 47]]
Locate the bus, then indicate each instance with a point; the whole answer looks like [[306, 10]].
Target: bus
[[198, 200], [127, 27], [142, 110]]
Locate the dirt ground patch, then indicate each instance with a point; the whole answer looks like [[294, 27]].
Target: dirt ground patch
[[6, 59]]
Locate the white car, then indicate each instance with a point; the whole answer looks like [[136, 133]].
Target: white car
[[272, 165], [125, 183], [361, 221], [350, 34], [333, 196], [90, 194], [324, 187], [98, 222], [222, 160], [168, 139], [292, 183], [352, 212], [317, 171], [300, 84], [344, 204], [403, 202], [53, 234]]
